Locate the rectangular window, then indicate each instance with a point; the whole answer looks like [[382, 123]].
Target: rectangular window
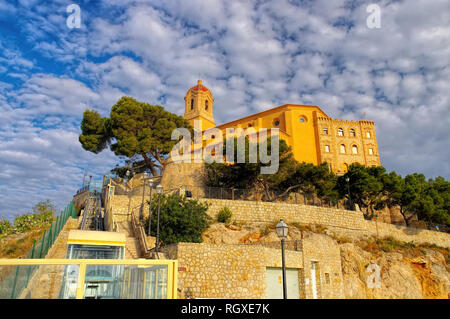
[[327, 148], [370, 151]]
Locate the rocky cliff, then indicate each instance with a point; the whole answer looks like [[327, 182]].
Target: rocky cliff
[[406, 271]]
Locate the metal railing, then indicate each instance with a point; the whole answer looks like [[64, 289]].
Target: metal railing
[[93, 186], [252, 195], [72, 278], [291, 198], [139, 233]]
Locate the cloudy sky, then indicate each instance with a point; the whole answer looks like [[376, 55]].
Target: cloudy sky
[[253, 55]]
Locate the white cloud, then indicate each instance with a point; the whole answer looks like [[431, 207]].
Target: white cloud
[[252, 55]]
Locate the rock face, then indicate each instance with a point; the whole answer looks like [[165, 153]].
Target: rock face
[[416, 274], [401, 276]]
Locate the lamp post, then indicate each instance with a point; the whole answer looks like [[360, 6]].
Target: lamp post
[[159, 190], [282, 232], [141, 211], [347, 179], [150, 183]]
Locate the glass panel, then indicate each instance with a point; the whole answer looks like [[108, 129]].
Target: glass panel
[[36, 282], [101, 281], [126, 282], [76, 251]]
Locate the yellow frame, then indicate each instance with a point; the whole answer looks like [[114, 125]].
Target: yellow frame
[[172, 269]]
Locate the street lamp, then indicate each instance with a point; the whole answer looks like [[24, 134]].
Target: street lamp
[[347, 179], [150, 183], [141, 211], [282, 232], [117, 170], [159, 190]]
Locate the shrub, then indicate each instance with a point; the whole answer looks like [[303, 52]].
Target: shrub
[[26, 222], [224, 215], [265, 231], [181, 219], [5, 227]]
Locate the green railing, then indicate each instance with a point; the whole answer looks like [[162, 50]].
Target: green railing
[[18, 278]]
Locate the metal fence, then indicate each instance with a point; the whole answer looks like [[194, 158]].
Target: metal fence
[[253, 195], [92, 186], [291, 198], [17, 280]]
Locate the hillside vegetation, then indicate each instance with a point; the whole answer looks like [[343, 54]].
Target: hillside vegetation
[[18, 238]]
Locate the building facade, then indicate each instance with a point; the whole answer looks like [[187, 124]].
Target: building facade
[[313, 136]]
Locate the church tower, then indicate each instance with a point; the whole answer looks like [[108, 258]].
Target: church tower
[[199, 106]]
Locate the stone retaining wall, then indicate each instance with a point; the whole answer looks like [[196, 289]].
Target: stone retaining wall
[[239, 271], [342, 222]]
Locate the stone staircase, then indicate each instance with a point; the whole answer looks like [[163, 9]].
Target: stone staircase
[[132, 248]]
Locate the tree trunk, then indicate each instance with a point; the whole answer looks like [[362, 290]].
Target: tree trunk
[[406, 219], [150, 164]]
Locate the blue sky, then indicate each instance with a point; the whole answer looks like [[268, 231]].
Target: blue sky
[[253, 55]]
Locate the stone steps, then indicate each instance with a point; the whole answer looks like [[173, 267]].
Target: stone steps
[[132, 248]]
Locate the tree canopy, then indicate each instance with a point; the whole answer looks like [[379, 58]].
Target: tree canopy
[[371, 188], [181, 219], [134, 129], [290, 176], [364, 187]]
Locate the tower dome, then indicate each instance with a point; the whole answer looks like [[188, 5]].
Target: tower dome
[[199, 106]]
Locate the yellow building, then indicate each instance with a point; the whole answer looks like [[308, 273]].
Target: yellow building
[[313, 136]]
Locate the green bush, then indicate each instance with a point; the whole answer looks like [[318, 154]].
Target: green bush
[[181, 219], [224, 215], [26, 222], [5, 227]]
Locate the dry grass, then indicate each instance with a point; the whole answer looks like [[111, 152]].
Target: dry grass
[[18, 245]]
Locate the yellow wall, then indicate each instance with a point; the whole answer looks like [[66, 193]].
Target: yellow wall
[[306, 138]]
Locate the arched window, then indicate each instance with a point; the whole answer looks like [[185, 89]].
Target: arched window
[[368, 135], [327, 148], [206, 105], [325, 131], [342, 149], [340, 132], [355, 149], [345, 167], [352, 132], [192, 104]]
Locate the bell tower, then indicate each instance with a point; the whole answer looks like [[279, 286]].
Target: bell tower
[[199, 106]]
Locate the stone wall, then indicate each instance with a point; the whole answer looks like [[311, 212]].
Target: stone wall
[[342, 222], [325, 252], [239, 271], [177, 175], [226, 271]]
